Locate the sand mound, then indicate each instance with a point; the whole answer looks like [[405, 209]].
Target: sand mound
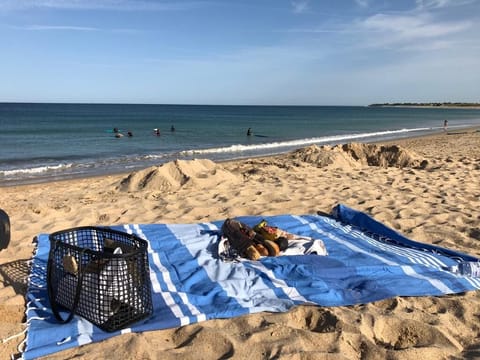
[[356, 154], [324, 156], [176, 174]]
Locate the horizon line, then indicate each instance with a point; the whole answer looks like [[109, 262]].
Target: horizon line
[[162, 104]]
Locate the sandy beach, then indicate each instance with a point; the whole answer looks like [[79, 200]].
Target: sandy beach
[[426, 188]]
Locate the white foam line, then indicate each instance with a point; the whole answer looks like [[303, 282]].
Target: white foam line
[[299, 142], [35, 170]]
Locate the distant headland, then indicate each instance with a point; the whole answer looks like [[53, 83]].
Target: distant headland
[[455, 105]]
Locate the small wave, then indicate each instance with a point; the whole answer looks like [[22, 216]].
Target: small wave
[[34, 170], [155, 156], [300, 142]]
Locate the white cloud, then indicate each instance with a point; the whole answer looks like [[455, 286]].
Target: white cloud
[[438, 4], [395, 29], [428, 4], [362, 3], [118, 5], [300, 6], [37, 27], [60, 27]]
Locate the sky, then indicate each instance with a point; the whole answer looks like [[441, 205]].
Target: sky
[[259, 52]]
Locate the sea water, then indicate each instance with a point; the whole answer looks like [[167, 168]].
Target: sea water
[[41, 142]]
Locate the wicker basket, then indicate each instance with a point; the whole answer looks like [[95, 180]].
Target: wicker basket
[[100, 274]]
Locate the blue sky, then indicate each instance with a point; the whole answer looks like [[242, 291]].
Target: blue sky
[[302, 52]]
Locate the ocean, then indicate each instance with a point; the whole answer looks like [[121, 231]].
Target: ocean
[[43, 142]]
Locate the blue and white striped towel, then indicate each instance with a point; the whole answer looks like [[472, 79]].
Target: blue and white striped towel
[[366, 262]]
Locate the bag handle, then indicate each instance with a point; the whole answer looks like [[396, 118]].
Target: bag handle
[[50, 291]]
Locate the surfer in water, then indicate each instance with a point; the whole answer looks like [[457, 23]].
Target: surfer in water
[[249, 131]]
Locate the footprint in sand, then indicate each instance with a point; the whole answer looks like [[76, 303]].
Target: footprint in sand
[[401, 334]]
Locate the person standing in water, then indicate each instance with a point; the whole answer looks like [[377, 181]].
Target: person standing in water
[[249, 131], [445, 125]]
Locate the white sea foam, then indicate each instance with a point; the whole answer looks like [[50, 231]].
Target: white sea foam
[[34, 170], [299, 142]]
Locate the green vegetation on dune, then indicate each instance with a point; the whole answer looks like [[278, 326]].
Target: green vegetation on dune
[[431, 104]]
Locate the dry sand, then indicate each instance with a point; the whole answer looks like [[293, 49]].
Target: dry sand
[[426, 188]]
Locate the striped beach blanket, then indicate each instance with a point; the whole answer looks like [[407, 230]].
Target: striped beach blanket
[[366, 262]]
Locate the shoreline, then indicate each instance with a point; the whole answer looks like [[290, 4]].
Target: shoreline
[[419, 106], [68, 177], [437, 204]]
